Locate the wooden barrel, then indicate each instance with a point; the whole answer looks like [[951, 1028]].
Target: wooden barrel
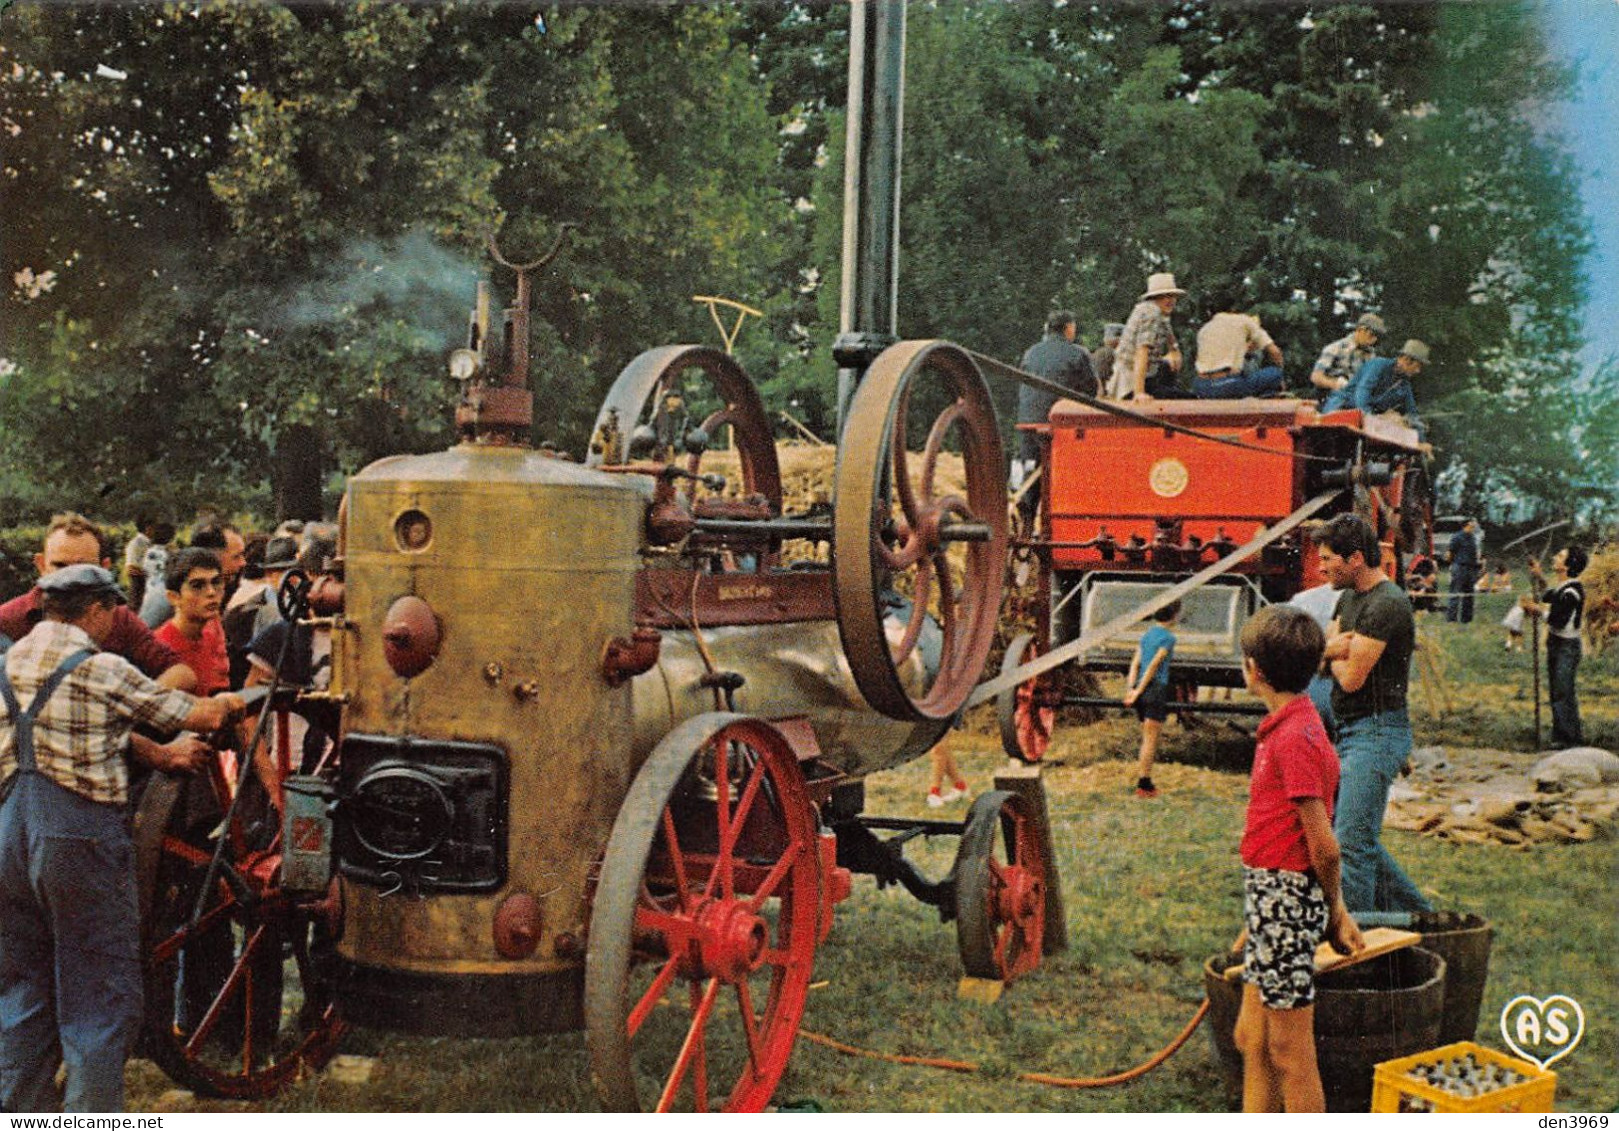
[[1377, 1010], [1225, 999], [1463, 941], [1386, 1007]]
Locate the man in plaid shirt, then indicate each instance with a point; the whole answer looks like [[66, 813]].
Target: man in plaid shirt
[[70, 988], [1341, 360], [1148, 356]]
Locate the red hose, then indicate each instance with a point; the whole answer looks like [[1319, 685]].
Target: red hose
[[1031, 1077]]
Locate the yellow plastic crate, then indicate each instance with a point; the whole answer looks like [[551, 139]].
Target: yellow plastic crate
[[1391, 1084]]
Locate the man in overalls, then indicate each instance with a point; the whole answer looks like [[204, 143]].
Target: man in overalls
[[70, 985]]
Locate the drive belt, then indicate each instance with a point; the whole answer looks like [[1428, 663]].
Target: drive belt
[[1061, 655], [1025, 378]]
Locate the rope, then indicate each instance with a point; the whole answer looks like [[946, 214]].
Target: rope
[[1063, 391], [1045, 1078]]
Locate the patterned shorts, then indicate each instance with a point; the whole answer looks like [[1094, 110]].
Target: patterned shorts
[[1286, 916]]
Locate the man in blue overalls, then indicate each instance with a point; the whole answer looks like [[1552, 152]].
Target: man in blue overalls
[[70, 986]]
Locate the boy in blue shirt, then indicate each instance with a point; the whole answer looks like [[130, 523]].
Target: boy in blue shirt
[[1149, 690]]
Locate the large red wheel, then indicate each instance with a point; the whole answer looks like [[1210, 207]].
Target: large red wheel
[[894, 524], [1028, 712], [703, 925], [1000, 876], [239, 998]]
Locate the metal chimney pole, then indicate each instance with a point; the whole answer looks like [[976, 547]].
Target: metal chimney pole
[[871, 165]]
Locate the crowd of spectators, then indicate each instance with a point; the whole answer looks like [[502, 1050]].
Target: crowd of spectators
[[96, 697]]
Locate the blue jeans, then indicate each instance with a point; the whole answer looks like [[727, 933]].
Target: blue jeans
[[1462, 582], [70, 979], [1259, 383], [1562, 662], [1320, 693], [1372, 749]]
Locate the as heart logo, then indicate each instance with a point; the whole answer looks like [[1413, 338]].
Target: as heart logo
[[1542, 1031]]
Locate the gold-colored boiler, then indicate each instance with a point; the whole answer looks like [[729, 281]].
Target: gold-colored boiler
[[478, 790]]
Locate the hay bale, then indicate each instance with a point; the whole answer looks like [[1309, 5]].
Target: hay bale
[[1601, 579]]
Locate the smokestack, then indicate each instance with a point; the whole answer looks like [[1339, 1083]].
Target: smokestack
[[868, 321]]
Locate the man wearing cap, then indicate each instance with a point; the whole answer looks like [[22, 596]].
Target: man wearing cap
[[1148, 355], [1223, 346], [250, 615], [1464, 569], [1384, 384], [73, 539], [70, 981], [1342, 359], [1057, 358], [1102, 356]]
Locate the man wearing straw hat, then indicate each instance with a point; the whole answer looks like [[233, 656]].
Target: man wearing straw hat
[[1148, 356]]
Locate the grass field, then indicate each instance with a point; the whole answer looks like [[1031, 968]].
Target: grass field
[[1151, 889]]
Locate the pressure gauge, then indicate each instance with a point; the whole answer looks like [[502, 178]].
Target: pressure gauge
[[464, 364]]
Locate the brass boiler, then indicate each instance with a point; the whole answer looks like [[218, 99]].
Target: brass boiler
[[476, 794], [795, 669]]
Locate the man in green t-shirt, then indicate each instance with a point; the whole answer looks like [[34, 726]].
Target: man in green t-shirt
[[1368, 654]]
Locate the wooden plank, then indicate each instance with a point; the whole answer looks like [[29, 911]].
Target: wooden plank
[[984, 991], [1379, 940], [1028, 782]]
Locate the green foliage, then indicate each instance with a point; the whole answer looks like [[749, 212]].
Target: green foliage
[[247, 216]]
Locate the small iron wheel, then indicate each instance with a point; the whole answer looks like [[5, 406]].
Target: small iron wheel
[[637, 399], [894, 524], [704, 923], [1027, 712], [239, 999], [1000, 889]]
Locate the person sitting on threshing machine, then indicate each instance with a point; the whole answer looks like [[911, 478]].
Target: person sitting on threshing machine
[[1149, 357], [1383, 384], [1342, 359], [1223, 346]]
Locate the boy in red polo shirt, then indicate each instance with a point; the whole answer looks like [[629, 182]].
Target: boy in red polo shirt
[[1291, 896], [196, 587]]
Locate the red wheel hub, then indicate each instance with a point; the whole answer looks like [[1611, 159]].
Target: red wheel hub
[[728, 942], [1023, 898]]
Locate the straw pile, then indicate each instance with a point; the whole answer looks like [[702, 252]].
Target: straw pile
[[1601, 578]]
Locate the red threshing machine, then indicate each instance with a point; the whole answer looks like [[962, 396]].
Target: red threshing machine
[[1142, 504]]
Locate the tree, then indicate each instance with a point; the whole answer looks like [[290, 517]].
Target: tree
[[277, 216]]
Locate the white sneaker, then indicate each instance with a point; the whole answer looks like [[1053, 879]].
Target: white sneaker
[[935, 800], [951, 794]]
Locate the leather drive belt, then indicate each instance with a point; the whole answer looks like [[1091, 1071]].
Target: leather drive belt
[[1059, 656]]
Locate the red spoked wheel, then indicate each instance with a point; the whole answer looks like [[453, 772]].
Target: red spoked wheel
[[703, 925], [1000, 876], [894, 524], [239, 997], [1028, 712]]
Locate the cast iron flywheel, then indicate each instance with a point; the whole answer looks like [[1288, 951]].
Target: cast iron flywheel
[[895, 526]]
